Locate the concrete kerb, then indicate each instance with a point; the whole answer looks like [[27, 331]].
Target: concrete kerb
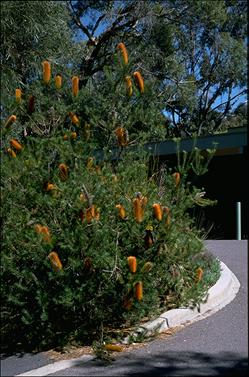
[[221, 294]]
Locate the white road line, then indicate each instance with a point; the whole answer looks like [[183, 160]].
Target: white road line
[[55, 367]]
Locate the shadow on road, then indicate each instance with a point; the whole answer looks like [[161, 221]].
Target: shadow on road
[[170, 364]]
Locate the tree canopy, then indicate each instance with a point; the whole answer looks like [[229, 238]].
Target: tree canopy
[[191, 53]]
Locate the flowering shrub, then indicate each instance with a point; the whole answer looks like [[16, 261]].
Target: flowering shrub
[[91, 244]]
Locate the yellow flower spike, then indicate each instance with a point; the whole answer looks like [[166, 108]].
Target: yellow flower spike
[[113, 347], [128, 83], [132, 263], [139, 81], [75, 85], [147, 267], [55, 261], [46, 71], [121, 211], [177, 178], [15, 144], [90, 163], [18, 94], [10, 121], [11, 153], [58, 81], [157, 211], [122, 48]]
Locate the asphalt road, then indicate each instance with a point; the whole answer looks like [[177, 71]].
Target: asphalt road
[[215, 346]]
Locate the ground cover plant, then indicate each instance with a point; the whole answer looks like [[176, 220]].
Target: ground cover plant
[[93, 243]]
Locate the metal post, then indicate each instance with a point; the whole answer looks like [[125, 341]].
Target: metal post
[[238, 220]]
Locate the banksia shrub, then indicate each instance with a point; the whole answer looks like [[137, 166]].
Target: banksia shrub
[[139, 81], [58, 81], [124, 53], [75, 85], [46, 71], [111, 242], [10, 121], [55, 261]]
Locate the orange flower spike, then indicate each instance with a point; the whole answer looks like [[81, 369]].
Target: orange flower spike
[[157, 211], [132, 263], [46, 234], [18, 94], [199, 274], [121, 211], [15, 144], [38, 228], [75, 85], [177, 178], [10, 121], [90, 214], [58, 81], [128, 83], [11, 153], [50, 187], [55, 261], [122, 48], [97, 214], [46, 71], [31, 105], [139, 81], [74, 118], [63, 168], [65, 137], [73, 135], [138, 211], [122, 136], [139, 290]]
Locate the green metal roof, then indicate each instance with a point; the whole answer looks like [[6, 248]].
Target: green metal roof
[[233, 138]]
